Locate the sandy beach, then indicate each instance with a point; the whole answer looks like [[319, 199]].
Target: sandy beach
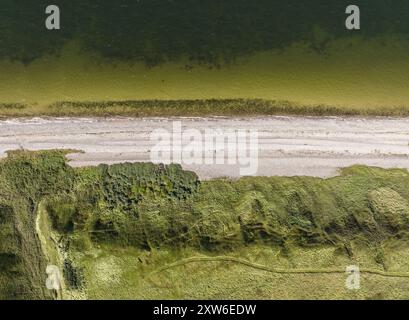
[[287, 146]]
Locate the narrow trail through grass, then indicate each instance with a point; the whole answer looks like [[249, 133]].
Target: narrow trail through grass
[[276, 270], [49, 245]]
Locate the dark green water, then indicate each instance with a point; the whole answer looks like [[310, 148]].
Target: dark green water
[[209, 31]]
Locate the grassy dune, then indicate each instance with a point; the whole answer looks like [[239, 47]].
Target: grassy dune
[[119, 273], [150, 231]]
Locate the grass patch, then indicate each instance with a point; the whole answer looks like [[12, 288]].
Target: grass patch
[[139, 225], [204, 107]]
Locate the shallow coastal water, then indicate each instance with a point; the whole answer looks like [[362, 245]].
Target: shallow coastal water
[[352, 72]]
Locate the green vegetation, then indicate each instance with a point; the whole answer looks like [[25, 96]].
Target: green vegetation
[[24, 182], [154, 231], [212, 107]]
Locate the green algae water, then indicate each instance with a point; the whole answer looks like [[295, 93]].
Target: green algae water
[[299, 51], [353, 72]]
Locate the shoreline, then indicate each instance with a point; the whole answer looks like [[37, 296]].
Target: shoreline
[[194, 108], [286, 146]]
